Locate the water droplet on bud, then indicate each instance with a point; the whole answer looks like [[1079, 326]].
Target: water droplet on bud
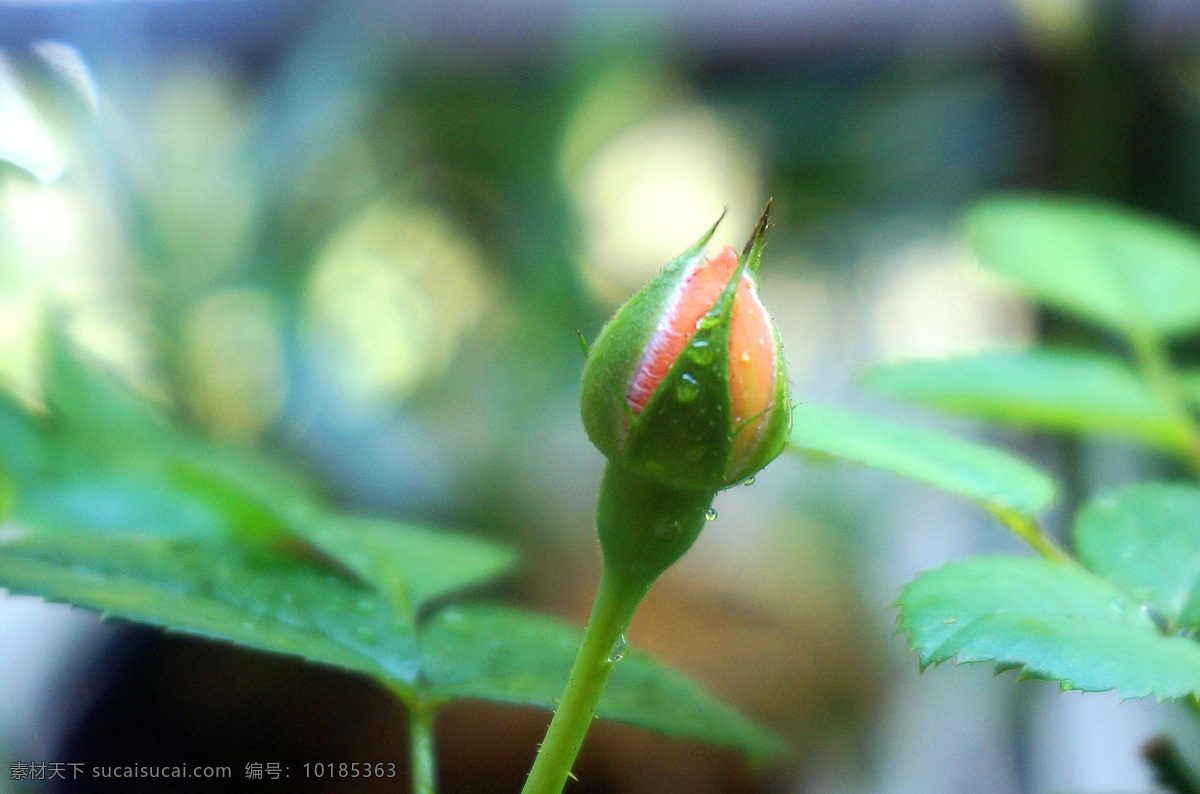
[[748, 481], [619, 649], [711, 514], [688, 389], [701, 352]]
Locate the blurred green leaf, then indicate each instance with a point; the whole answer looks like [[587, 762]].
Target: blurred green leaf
[[6, 495], [1191, 382], [24, 452], [1122, 269], [99, 424], [410, 564], [953, 464], [1074, 392], [25, 140], [97, 405], [120, 503], [1052, 620], [500, 654], [1146, 539]]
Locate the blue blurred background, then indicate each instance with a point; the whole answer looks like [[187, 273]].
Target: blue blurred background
[[361, 236]]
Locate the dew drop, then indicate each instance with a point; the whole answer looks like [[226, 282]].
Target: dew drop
[[619, 649], [688, 389], [748, 481], [701, 352], [745, 355], [711, 514]]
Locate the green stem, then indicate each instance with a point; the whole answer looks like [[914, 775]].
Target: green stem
[[614, 607], [421, 753], [1031, 532], [644, 527], [1171, 770], [1158, 370]]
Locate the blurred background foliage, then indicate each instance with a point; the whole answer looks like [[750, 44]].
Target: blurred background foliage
[[361, 236]]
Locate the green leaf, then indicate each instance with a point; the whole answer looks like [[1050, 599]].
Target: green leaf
[[1053, 621], [95, 544], [953, 464], [155, 532], [1122, 269], [1146, 539], [214, 591], [500, 654], [1073, 392], [287, 606], [410, 564]]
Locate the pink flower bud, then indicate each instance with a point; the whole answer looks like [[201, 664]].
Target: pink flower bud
[[687, 383]]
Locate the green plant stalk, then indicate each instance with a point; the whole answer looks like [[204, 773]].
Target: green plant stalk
[[611, 614], [1171, 770], [644, 527], [1158, 370], [421, 747], [1031, 532]]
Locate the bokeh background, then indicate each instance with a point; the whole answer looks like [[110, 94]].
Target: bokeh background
[[362, 235]]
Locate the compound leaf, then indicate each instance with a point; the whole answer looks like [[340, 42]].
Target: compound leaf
[[1073, 392], [1146, 539], [978, 472], [501, 654], [1053, 621], [1119, 268]]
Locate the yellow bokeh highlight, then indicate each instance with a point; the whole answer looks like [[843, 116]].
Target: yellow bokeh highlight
[[651, 190], [237, 368], [390, 298]]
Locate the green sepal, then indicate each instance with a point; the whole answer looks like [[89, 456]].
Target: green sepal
[[616, 352], [752, 252], [645, 525], [683, 437]]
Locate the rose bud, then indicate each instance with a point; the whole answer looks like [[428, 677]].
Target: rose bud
[[686, 385]]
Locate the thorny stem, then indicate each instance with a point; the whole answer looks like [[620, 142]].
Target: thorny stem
[[1156, 367], [613, 609], [421, 753], [1031, 532]]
